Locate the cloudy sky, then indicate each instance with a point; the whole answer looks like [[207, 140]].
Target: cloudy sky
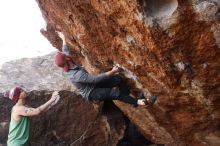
[[20, 36]]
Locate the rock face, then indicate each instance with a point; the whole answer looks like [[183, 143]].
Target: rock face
[[169, 48], [38, 73]]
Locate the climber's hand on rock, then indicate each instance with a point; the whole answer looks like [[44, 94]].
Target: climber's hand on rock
[[115, 69], [61, 35], [112, 72], [55, 98]]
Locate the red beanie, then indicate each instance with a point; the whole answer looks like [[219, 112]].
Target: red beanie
[[13, 94], [62, 60]]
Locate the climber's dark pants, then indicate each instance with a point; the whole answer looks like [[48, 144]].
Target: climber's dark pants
[[105, 91]]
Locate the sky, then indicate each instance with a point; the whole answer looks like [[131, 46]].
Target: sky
[[20, 37]]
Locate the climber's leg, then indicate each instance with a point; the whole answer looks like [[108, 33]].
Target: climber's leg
[[102, 94], [112, 81], [115, 81]]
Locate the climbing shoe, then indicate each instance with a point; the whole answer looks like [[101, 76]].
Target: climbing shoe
[[152, 99], [149, 101], [142, 102]]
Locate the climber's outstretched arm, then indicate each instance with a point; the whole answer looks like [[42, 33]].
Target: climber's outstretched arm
[[28, 111]]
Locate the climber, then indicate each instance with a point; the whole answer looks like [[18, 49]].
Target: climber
[[104, 86], [19, 127]]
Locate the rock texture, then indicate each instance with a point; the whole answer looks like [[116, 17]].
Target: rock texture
[[38, 73], [169, 48]]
